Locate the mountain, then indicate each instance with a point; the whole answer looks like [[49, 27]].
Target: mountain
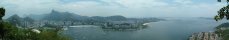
[[116, 18], [224, 25], [66, 18], [19, 21], [63, 16], [14, 19], [208, 18]]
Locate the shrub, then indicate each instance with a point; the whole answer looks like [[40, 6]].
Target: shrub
[[13, 33]]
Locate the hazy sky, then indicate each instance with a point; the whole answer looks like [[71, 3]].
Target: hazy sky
[[128, 8]]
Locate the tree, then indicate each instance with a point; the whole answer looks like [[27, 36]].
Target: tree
[[2, 13], [223, 12]]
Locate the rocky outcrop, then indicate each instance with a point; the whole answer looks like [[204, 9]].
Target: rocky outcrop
[[204, 36]]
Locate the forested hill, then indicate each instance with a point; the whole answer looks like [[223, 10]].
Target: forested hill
[[67, 16]]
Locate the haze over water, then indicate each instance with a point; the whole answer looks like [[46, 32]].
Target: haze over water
[[171, 29]]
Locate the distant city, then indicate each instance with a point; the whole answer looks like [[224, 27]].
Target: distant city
[[57, 19]]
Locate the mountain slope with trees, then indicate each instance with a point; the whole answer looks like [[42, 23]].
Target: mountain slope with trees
[[11, 32]]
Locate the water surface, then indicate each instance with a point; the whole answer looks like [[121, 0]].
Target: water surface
[[172, 29]]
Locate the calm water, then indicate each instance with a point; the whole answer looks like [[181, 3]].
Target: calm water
[[172, 29]]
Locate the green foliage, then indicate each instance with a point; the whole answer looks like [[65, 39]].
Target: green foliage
[[223, 29], [2, 12], [14, 33], [7, 30], [51, 35], [221, 0], [223, 12], [223, 33]]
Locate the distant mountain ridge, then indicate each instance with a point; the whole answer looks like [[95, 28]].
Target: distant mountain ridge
[[66, 16], [62, 16]]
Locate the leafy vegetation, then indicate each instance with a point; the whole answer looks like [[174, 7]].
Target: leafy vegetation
[[223, 12], [223, 31], [11, 32], [224, 34], [14, 33], [2, 13]]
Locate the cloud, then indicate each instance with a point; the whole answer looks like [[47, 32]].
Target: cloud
[[183, 1], [26, 7], [141, 3], [128, 8]]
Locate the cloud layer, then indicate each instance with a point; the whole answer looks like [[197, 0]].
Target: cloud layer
[[128, 8]]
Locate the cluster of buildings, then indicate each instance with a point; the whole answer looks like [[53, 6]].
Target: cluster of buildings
[[123, 25], [105, 25], [205, 36]]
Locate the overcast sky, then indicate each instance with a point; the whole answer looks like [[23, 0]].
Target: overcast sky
[[127, 8]]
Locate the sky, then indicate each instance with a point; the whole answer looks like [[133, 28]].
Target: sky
[[127, 8]]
